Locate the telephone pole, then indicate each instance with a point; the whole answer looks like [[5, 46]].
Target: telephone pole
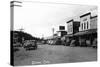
[[12, 5], [53, 32]]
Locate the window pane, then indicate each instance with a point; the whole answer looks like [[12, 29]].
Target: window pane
[[87, 24]]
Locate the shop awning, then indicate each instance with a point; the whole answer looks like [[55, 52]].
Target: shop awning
[[90, 31], [69, 35]]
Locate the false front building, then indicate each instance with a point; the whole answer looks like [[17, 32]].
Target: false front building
[[87, 30], [62, 31], [72, 28]]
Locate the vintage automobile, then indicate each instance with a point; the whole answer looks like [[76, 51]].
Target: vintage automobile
[[30, 45], [94, 43], [50, 42], [17, 44], [72, 43]]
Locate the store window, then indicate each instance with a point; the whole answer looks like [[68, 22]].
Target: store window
[[84, 26], [87, 24]]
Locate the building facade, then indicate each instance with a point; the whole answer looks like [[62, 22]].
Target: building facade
[[88, 22], [73, 26], [62, 31], [70, 27], [85, 22], [87, 30], [93, 24]]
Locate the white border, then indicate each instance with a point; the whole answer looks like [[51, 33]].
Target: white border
[[5, 33]]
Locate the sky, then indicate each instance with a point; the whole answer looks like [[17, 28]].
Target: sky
[[38, 18]]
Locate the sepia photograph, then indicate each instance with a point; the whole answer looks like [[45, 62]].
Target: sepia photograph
[[52, 33]]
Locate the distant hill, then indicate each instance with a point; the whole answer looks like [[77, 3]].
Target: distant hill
[[26, 36]]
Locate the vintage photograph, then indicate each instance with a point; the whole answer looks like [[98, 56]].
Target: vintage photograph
[[52, 33]]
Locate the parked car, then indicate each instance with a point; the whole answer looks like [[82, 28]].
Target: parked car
[[83, 43], [15, 49], [30, 45], [72, 43], [88, 43], [44, 42], [94, 43], [51, 42], [17, 45], [67, 42]]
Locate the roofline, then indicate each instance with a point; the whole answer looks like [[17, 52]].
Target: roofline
[[93, 17], [69, 21], [61, 31], [76, 21], [85, 14]]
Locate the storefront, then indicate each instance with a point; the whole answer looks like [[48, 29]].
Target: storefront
[[87, 37], [67, 39], [88, 30]]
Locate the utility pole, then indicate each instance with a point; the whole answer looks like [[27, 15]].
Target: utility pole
[[53, 32], [12, 5]]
